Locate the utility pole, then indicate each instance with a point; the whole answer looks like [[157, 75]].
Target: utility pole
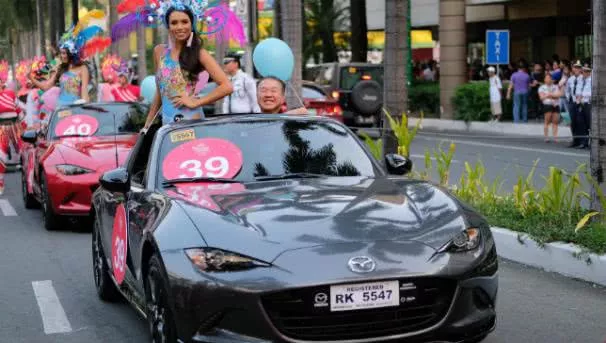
[[598, 101]]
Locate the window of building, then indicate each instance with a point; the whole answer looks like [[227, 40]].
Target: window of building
[[583, 46]]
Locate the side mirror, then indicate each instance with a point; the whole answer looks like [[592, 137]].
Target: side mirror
[[397, 164], [116, 180], [29, 136]]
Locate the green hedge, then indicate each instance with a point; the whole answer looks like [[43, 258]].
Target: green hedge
[[425, 97], [472, 102]]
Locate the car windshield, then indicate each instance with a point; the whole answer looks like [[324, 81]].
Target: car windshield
[[97, 120], [350, 76], [312, 93], [263, 149]]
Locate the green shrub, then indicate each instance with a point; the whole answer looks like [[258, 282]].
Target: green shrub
[[472, 102], [425, 97]]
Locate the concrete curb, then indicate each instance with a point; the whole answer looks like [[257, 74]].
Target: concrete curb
[[501, 128], [555, 257]]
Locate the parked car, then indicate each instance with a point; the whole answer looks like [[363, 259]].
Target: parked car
[[319, 102], [276, 228], [61, 168], [358, 87]]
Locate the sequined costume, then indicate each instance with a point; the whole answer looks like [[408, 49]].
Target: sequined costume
[[173, 82], [71, 88]]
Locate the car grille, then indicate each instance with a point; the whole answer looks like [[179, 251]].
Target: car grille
[[293, 313]]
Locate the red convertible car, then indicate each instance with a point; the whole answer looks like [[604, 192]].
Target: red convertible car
[[62, 165]]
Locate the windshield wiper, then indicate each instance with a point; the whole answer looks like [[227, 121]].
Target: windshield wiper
[[198, 179], [289, 176]]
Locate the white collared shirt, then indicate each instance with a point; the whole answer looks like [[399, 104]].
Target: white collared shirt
[[585, 91], [244, 97]]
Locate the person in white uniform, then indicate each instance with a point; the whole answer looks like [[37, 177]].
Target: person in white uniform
[[244, 97]]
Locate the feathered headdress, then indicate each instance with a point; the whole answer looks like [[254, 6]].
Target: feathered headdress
[[21, 72], [84, 40], [38, 64], [122, 69], [3, 71], [210, 17]]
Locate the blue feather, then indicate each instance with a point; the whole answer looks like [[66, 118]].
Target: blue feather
[[87, 34]]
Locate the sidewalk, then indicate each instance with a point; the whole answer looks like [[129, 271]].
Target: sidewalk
[[500, 128]]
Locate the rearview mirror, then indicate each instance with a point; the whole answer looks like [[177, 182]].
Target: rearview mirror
[[398, 164], [116, 180], [29, 136]]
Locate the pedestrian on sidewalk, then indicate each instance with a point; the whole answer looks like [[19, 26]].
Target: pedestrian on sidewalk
[[550, 97], [495, 94], [244, 97], [520, 85], [562, 85], [574, 82], [584, 117]]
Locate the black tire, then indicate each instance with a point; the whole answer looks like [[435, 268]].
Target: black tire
[[51, 219], [28, 199], [367, 97], [106, 289], [161, 322]]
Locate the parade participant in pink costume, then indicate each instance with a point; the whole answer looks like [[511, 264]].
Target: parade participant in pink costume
[[183, 59], [9, 114], [110, 78]]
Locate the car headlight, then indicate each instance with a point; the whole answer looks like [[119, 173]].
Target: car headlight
[[70, 169], [465, 240], [217, 260]]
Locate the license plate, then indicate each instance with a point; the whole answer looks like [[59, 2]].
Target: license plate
[[365, 120], [364, 296], [312, 111]]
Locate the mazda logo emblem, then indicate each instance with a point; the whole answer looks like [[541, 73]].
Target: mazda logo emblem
[[362, 264], [321, 298]]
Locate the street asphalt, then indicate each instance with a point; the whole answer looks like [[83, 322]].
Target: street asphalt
[[505, 157], [47, 292]]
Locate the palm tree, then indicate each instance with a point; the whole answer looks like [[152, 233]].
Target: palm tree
[[396, 53], [75, 10], [40, 21], [113, 18], [598, 91], [321, 19], [292, 31], [359, 31]]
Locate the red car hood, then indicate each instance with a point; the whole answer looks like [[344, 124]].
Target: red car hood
[[96, 153]]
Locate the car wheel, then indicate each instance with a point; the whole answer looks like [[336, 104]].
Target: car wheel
[[28, 199], [159, 315], [106, 289], [51, 220]]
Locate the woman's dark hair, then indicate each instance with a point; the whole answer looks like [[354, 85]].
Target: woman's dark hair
[[71, 59], [189, 58]]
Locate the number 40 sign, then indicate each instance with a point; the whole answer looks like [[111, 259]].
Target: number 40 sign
[[206, 157]]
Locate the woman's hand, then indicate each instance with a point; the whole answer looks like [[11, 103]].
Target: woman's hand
[[184, 100]]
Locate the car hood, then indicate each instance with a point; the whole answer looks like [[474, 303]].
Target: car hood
[[265, 219], [96, 153]]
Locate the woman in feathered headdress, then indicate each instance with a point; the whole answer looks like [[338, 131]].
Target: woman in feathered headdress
[[110, 77], [77, 44], [181, 61]]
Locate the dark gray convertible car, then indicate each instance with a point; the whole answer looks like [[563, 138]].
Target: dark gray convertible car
[[258, 228]]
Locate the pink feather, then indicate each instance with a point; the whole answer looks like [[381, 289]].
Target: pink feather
[[226, 25], [202, 81]]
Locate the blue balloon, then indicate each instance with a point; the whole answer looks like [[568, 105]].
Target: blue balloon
[[148, 88], [273, 57]]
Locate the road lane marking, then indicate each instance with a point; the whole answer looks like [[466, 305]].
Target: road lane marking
[[7, 209], [503, 146], [432, 158], [53, 315]]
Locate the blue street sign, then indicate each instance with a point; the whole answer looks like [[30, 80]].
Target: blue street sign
[[497, 47]]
